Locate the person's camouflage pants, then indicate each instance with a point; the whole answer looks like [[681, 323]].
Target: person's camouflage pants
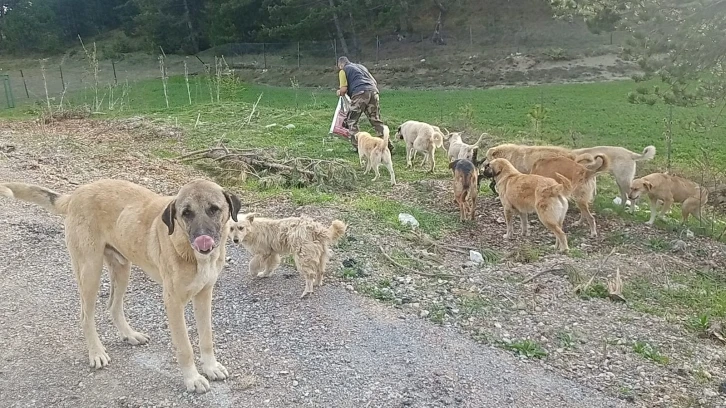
[[368, 103]]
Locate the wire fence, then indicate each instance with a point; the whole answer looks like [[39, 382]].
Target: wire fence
[[53, 78]]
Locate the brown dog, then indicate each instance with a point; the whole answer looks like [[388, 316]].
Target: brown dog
[[178, 241], [524, 194], [466, 187], [374, 151], [669, 189], [582, 177]]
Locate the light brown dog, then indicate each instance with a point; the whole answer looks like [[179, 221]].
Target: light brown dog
[[669, 189], [622, 165], [523, 157], [421, 137], [582, 177], [306, 239], [374, 151], [178, 241], [466, 187], [524, 194]]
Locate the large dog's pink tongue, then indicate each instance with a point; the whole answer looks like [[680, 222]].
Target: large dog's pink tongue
[[204, 243]]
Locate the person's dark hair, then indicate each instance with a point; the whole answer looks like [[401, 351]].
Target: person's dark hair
[[343, 60]]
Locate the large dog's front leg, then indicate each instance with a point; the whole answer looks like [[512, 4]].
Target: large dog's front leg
[[179, 336], [202, 302]]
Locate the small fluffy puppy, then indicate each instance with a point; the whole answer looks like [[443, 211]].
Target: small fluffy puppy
[[524, 194], [466, 187], [581, 175], [421, 137], [460, 150], [305, 239], [374, 151], [622, 165], [669, 189]]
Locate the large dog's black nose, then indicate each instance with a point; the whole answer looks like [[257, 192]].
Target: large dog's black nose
[[236, 241]]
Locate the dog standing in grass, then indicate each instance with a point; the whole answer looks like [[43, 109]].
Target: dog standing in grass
[[305, 239], [466, 187], [374, 151], [669, 189], [524, 194]]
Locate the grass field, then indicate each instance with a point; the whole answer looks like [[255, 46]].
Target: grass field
[[579, 114]]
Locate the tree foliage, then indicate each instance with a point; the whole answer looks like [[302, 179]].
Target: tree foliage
[[680, 42]]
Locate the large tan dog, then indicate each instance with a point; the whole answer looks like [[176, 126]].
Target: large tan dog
[[466, 187], [178, 241], [622, 165], [421, 137], [524, 194], [669, 189], [582, 177], [523, 157], [374, 151], [306, 239]]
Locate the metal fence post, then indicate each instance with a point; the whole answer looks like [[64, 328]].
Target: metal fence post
[[264, 55], [378, 47], [25, 84], [63, 82], [115, 79], [8, 91]]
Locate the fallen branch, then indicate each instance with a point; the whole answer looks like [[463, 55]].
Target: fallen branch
[[427, 240], [538, 274], [615, 288], [406, 268], [272, 168], [582, 288]]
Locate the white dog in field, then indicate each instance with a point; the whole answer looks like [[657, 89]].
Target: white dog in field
[[460, 150], [421, 137]]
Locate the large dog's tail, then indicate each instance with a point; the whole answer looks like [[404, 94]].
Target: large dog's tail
[[336, 231], [599, 163], [50, 200], [438, 139], [648, 154], [480, 138], [386, 136], [563, 188]]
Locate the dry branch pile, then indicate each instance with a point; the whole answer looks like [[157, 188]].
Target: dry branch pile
[[272, 168]]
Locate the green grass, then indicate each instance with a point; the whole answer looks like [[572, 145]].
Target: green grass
[[597, 113], [646, 350], [701, 294], [526, 348]]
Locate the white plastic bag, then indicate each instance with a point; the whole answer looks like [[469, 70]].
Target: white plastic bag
[[341, 113]]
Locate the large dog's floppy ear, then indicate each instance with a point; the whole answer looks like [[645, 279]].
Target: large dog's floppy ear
[[168, 216], [234, 205], [647, 184]]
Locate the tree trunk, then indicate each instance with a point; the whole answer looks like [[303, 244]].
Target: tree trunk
[[438, 37], [192, 34], [356, 43], [338, 28]]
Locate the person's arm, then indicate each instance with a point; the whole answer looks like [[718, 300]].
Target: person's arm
[[343, 83]]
